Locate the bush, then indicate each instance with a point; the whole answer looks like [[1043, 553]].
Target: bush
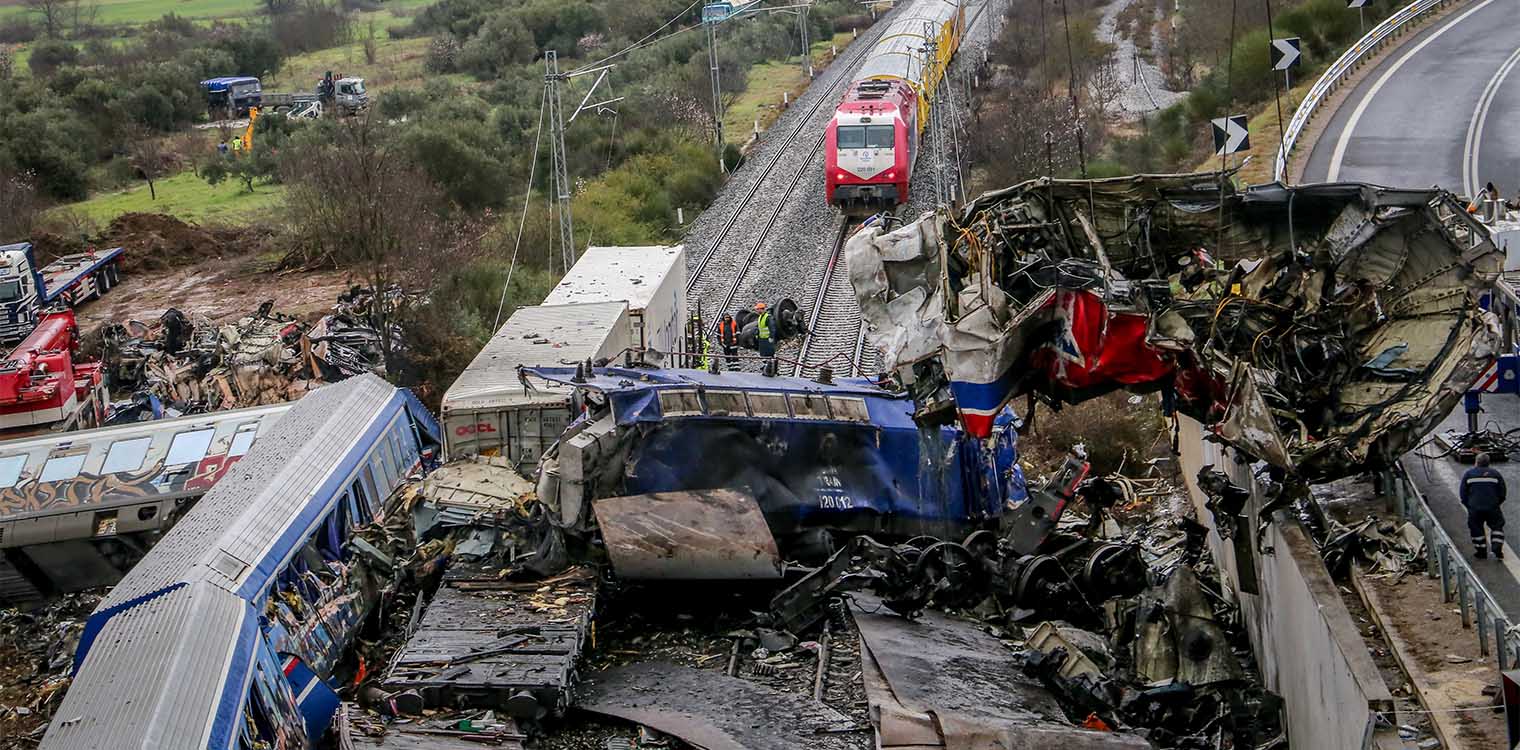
[[1118, 429], [17, 30], [49, 55], [501, 43], [253, 53], [443, 54], [453, 155]]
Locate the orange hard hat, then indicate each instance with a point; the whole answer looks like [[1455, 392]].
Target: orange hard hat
[[759, 305]]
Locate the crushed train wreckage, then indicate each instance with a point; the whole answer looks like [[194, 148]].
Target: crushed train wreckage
[[1323, 329], [184, 365]]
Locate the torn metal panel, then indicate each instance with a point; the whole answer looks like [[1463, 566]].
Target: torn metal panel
[[905, 259], [1179, 639], [710, 710], [703, 534], [1353, 308], [940, 682]]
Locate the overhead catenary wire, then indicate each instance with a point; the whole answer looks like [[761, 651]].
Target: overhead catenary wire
[[527, 197], [648, 39]]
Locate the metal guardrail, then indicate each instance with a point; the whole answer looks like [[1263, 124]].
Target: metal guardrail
[[1343, 67], [1480, 610]]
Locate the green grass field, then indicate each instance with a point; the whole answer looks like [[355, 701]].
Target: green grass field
[[187, 197], [138, 12], [761, 98], [135, 12], [397, 61]]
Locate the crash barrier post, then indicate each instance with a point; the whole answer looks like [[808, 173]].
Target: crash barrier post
[[1342, 68], [1480, 610]]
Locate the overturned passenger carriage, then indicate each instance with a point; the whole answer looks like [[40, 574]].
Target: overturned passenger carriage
[[1321, 328], [226, 632]]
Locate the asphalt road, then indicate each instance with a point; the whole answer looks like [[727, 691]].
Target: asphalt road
[[1443, 108]]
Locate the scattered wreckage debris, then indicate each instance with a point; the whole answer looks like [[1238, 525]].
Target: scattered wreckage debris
[[193, 365], [938, 681], [36, 658], [1323, 329], [488, 643], [357, 729], [710, 710]]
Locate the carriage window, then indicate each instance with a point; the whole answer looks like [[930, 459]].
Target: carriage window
[[126, 455], [10, 470], [726, 404], [367, 509], [368, 479], [880, 136], [62, 467], [769, 405], [241, 442], [810, 406], [382, 473], [852, 136], [189, 447]]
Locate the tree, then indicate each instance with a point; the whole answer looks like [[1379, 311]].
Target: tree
[[148, 156], [360, 203], [52, 14], [49, 55], [19, 204]]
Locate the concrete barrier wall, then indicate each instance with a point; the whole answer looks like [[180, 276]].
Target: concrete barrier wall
[[1306, 644]]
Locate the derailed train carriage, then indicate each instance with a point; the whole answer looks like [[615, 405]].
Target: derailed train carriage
[[222, 636], [873, 141], [799, 460]]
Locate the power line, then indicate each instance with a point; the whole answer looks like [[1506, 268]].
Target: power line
[[648, 39], [543, 103]]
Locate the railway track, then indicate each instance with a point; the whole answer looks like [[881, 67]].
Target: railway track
[[837, 335], [784, 153]]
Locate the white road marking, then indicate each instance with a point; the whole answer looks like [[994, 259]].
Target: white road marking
[[1339, 154], [1475, 127]]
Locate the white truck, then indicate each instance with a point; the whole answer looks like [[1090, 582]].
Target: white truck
[[27, 290], [614, 299]]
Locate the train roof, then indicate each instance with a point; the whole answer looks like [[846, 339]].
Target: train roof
[[634, 274], [239, 533], [189, 637], [23, 494], [539, 335], [899, 51], [171, 649]]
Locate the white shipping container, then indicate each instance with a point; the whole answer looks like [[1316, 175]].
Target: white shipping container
[[652, 280], [489, 412]]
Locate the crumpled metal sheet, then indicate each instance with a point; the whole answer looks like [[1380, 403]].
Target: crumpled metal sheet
[[710, 710], [696, 535], [936, 681], [906, 324], [1352, 308]]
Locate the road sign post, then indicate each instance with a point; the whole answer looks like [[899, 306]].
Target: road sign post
[[1287, 53], [1360, 13], [1231, 135]]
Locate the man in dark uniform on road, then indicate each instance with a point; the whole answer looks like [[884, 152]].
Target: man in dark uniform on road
[[1482, 494]]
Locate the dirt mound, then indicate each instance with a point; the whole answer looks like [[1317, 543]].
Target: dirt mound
[[156, 242]]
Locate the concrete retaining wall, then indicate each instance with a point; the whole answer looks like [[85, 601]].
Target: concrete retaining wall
[[1306, 643]]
